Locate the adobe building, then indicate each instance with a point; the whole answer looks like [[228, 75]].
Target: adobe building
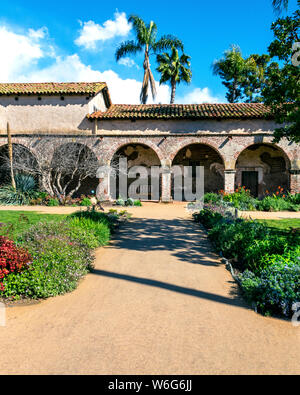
[[232, 141]]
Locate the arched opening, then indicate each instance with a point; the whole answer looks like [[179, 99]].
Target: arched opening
[[24, 163], [263, 168], [135, 155], [203, 155], [73, 170]]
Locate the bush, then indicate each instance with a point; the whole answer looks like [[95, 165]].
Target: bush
[[120, 202], [273, 203], [212, 198], [277, 287], [137, 203], [53, 202], [86, 202], [99, 230], [241, 199], [234, 237], [56, 269], [12, 259], [208, 218]]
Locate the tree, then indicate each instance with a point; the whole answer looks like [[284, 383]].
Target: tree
[[146, 42], [72, 163], [282, 87], [280, 5], [242, 77], [174, 69]]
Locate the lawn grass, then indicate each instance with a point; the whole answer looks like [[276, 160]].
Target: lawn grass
[[282, 224], [17, 222]]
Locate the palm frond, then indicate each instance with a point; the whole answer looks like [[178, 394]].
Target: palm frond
[[168, 42], [280, 5], [126, 48], [139, 28]]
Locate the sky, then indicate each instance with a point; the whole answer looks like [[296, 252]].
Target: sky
[[71, 40]]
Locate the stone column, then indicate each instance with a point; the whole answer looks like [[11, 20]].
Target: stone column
[[103, 189], [295, 181], [166, 178], [229, 180]]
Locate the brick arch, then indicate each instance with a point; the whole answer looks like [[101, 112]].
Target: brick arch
[[287, 156], [116, 147], [191, 141]]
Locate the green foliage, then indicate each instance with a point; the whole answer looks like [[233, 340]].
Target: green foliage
[[208, 218], [213, 198], [282, 87], [174, 69], [86, 202], [274, 203], [11, 197], [98, 230], [61, 252], [53, 202], [243, 77], [137, 203], [146, 42], [277, 287], [25, 183], [241, 199]]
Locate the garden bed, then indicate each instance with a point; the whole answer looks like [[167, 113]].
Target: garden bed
[[43, 256], [265, 255]]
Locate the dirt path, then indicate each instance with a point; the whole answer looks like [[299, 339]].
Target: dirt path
[[158, 302]]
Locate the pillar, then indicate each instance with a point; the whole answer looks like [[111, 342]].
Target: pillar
[[295, 181], [229, 180], [166, 179]]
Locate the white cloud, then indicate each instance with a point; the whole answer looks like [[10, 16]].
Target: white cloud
[[128, 62], [91, 32], [198, 96], [20, 63], [19, 51]]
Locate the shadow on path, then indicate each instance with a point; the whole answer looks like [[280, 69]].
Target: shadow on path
[[183, 238], [171, 287]]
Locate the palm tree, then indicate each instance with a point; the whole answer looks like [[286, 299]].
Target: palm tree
[[174, 69], [279, 5], [147, 43]]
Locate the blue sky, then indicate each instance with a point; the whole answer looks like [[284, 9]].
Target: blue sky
[[76, 40]]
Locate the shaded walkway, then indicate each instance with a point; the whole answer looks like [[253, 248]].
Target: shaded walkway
[[157, 302]]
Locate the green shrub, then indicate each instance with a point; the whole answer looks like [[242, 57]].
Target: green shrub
[[137, 203], [277, 287], [234, 237], [129, 202], [120, 202], [212, 198], [98, 230], [241, 200], [208, 218], [57, 266], [86, 202], [53, 202], [273, 203]]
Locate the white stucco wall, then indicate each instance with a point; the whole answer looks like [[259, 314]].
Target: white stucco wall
[[50, 114], [146, 127]]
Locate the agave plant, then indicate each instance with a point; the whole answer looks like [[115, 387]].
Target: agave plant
[[26, 190]]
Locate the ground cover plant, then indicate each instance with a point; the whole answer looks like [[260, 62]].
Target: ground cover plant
[[48, 254], [266, 255], [242, 200]]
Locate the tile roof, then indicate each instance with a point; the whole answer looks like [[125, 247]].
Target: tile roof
[[184, 111], [52, 88]]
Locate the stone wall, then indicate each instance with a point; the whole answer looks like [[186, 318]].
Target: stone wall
[[228, 139]]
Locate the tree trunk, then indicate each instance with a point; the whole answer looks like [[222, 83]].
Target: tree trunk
[[10, 154], [173, 93]]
